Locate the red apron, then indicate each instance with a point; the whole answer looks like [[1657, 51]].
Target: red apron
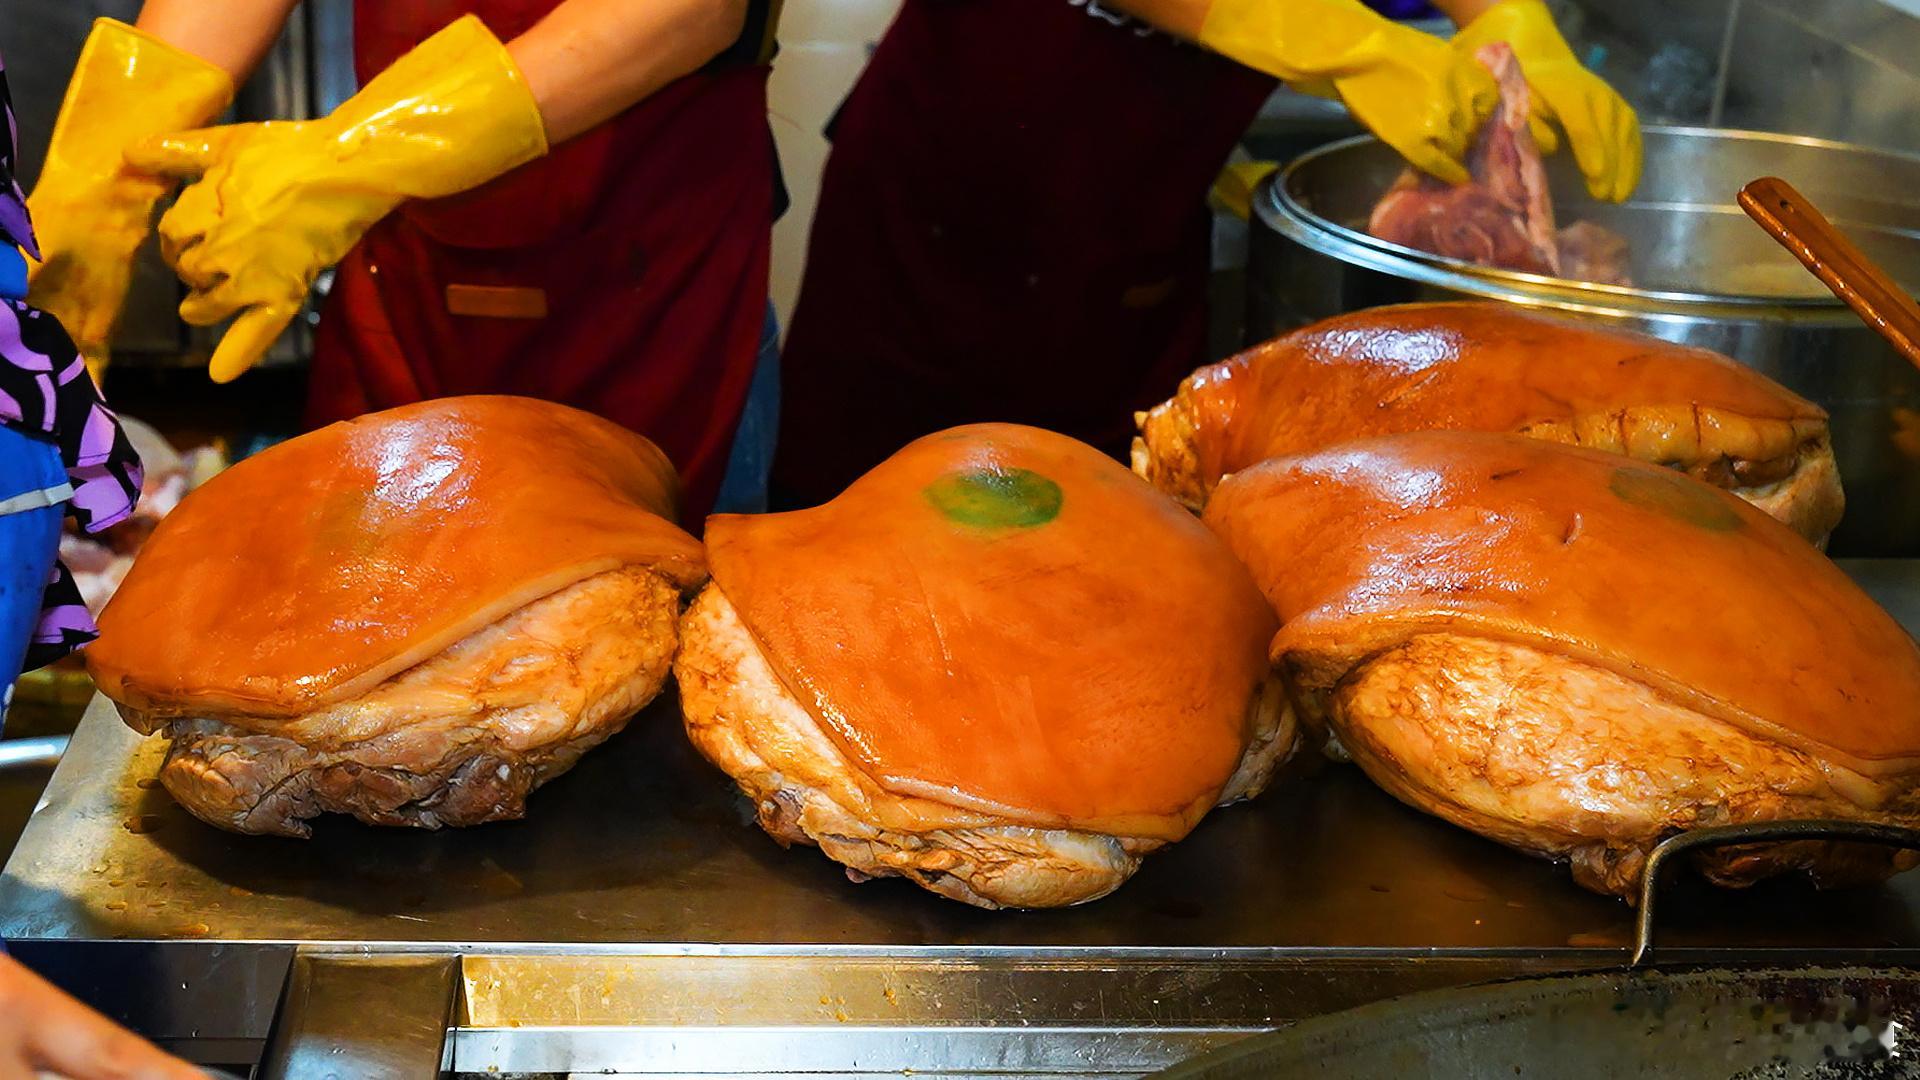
[[1012, 226], [625, 273]]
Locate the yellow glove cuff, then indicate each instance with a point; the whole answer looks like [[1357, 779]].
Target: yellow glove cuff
[[1527, 25], [127, 86], [447, 117], [1296, 42], [1410, 89], [1233, 189], [275, 203]]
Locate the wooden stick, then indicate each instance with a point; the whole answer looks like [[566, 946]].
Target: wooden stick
[[1789, 218]]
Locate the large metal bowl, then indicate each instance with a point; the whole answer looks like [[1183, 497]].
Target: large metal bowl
[[1706, 276], [1811, 1023]]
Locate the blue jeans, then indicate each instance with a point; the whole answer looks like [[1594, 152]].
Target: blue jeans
[[29, 543], [750, 464]]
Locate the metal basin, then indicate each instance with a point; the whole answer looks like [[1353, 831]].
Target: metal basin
[[1803, 1023], [1706, 276]]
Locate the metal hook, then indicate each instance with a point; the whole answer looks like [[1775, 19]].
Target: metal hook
[[1758, 832]]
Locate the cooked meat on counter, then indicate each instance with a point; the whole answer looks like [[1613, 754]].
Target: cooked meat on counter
[[1578, 655], [1503, 217], [996, 665], [1495, 367], [416, 617]]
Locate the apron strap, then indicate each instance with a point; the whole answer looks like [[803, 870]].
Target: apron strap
[[36, 500]]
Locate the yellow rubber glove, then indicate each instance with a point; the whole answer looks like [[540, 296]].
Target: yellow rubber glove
[[1419, 96], [1600, 126], [1233, 189], [92, 211], [277, 203]]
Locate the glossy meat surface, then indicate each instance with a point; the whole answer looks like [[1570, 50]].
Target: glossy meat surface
[[1493, 367], [1569, 760], [1603, 560], [1001, 619], [806, 791], [458, 740], [309, 574]]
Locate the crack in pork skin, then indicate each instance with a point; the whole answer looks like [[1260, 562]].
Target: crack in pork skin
[[1566, 760], [805, 791], [459, 739]]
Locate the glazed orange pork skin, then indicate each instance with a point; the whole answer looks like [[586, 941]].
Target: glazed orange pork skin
[[1496, 367], [997, 665], [1577, 654], [415, 617]]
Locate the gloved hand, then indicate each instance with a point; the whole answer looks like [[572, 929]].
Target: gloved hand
[[1419, 96], [1600, 126], [276, 203], [92, 212], [1233, 189]]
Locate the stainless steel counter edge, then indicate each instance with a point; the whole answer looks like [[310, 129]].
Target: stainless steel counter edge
[[1572, 956], [537, 1010], [176, 991]]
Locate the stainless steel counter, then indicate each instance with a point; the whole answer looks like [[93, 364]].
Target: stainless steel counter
[[637, 921]]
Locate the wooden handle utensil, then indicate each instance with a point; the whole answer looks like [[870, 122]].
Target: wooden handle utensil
[[1789, 218]]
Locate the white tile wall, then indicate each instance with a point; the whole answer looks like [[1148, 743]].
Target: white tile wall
[[823, 47]]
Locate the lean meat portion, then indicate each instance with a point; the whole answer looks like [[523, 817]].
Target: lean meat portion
[[1504, 216]]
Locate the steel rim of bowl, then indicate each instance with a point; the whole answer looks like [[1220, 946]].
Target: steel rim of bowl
[[1277, 207], [1460, 1005]]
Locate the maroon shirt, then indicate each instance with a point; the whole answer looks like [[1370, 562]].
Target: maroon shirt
[[1012, 226]]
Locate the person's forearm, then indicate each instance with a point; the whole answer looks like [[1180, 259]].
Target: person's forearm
[[589, 60], [1462, 12], [230, 34]]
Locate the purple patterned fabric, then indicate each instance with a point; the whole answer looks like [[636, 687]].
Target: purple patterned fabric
[[16, 227], [46, 393], [65, 624]]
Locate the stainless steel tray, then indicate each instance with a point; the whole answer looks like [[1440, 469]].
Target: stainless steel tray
[[637, 922]]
